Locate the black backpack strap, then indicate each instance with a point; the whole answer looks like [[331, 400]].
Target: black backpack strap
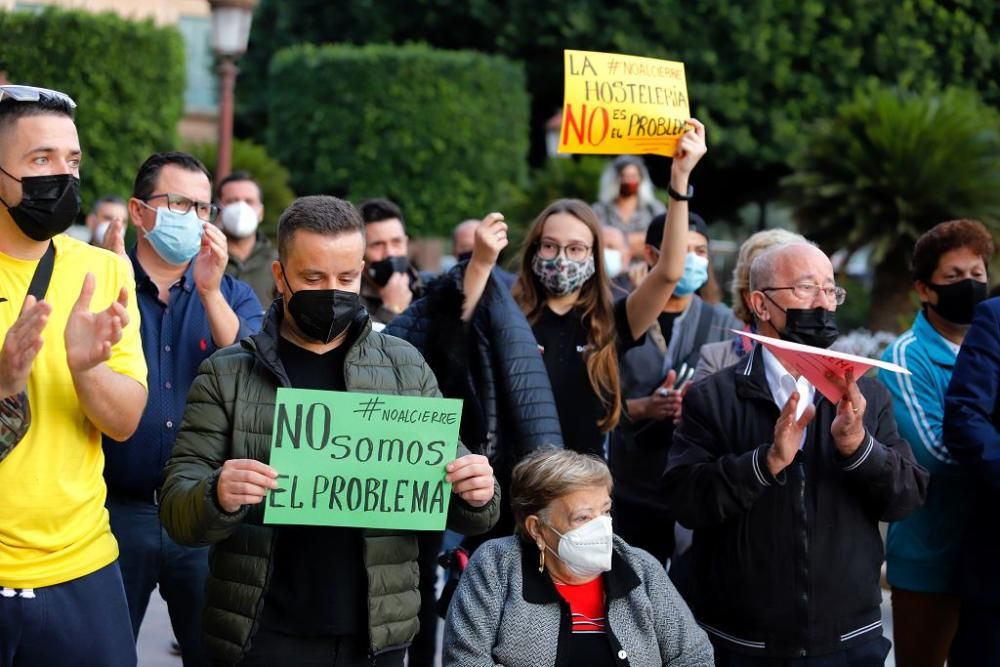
[[701, 334], [43, 273]]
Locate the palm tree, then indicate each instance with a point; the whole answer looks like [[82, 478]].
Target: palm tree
[[886, 167]]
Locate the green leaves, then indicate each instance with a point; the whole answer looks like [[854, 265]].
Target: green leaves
[[127, 78], [759, 72], [440, 132], [889, 165]]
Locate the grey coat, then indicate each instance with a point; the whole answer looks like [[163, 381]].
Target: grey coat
[[506, 613], [714, 357]]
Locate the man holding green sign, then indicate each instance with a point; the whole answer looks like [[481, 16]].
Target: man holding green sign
[[306, 455]]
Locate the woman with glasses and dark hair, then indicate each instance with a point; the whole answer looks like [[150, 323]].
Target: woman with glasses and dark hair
[[564, 291]]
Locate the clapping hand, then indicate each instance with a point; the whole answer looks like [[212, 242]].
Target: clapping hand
[[89, 336], [21, 345]]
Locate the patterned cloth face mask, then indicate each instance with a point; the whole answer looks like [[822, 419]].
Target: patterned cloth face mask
[[561, 276]]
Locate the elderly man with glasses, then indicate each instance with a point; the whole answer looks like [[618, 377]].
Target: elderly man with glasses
[[71, 367], [785, 489], [189, 309]]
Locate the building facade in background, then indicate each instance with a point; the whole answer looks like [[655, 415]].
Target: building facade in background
[[193, 19]]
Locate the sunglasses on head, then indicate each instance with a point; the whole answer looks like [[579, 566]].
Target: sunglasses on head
[[33, 94]]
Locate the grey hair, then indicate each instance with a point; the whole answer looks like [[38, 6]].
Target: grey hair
[[763, 268], [752, 248], [547, 474]]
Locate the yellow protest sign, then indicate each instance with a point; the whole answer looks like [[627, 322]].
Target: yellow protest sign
[[617, 104]]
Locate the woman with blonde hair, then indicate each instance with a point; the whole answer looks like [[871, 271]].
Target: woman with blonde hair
[[564, 590]]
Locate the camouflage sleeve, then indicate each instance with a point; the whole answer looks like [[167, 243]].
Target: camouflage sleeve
[[15, 418]]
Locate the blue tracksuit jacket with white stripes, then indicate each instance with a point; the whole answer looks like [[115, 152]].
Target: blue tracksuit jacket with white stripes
[[922, 550]]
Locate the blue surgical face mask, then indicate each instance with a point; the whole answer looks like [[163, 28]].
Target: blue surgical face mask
[[695, 274], [177, 236]]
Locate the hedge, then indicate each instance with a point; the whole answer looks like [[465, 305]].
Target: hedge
[[439, 132], [126, 77]]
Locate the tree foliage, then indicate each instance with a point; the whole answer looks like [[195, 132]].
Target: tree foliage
[[440, 132], [758, 72], [126, 77], [886, 167]]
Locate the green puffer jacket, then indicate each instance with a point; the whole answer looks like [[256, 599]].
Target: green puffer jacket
[[230, 412]]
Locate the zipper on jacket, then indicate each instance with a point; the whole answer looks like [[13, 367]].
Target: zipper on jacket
[[804, 542]]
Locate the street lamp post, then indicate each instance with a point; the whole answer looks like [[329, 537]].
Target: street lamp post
[[231, 21]]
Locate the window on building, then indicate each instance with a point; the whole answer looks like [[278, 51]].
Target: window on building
[[201, 94], [29, 7]]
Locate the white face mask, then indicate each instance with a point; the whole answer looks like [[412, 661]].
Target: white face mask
[[613, 262], [100, 231], [586, 551], [239, 220]]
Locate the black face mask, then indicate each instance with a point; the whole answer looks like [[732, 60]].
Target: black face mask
[[957, 301], [322, 314], [380, 272], [809, 326], [49, 204], [462, 256]]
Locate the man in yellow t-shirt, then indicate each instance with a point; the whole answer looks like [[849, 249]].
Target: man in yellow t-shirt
[[75, 350]]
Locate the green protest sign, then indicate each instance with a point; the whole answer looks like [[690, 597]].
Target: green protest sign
[[361, 460]]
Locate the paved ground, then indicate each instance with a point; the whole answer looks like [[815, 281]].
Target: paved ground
[[155, 636]]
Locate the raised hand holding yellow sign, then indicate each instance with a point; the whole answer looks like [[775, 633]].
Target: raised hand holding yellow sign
[[617, 104]]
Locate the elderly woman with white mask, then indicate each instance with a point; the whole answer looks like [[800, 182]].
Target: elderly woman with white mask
[[564, 590]]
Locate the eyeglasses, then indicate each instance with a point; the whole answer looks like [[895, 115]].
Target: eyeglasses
[[575, 252], [33, 94], [181, 205], [808, 292]]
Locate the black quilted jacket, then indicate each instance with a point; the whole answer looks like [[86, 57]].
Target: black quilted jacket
[[492, 363]]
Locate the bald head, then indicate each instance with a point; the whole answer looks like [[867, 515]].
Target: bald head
[[463, 238], [790, 263], [785, 266]]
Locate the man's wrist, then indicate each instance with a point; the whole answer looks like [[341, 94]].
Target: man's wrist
[[208, 294], [637, 408], [774, 464], [78, 370], [848, 446]]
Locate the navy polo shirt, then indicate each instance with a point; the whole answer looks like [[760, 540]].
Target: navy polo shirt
[[176, 338]]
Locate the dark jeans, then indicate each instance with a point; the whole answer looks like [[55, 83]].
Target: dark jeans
[[270, 649], [869, 654], [425, 643], [83, 622], [977, 642], [149, 557]]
